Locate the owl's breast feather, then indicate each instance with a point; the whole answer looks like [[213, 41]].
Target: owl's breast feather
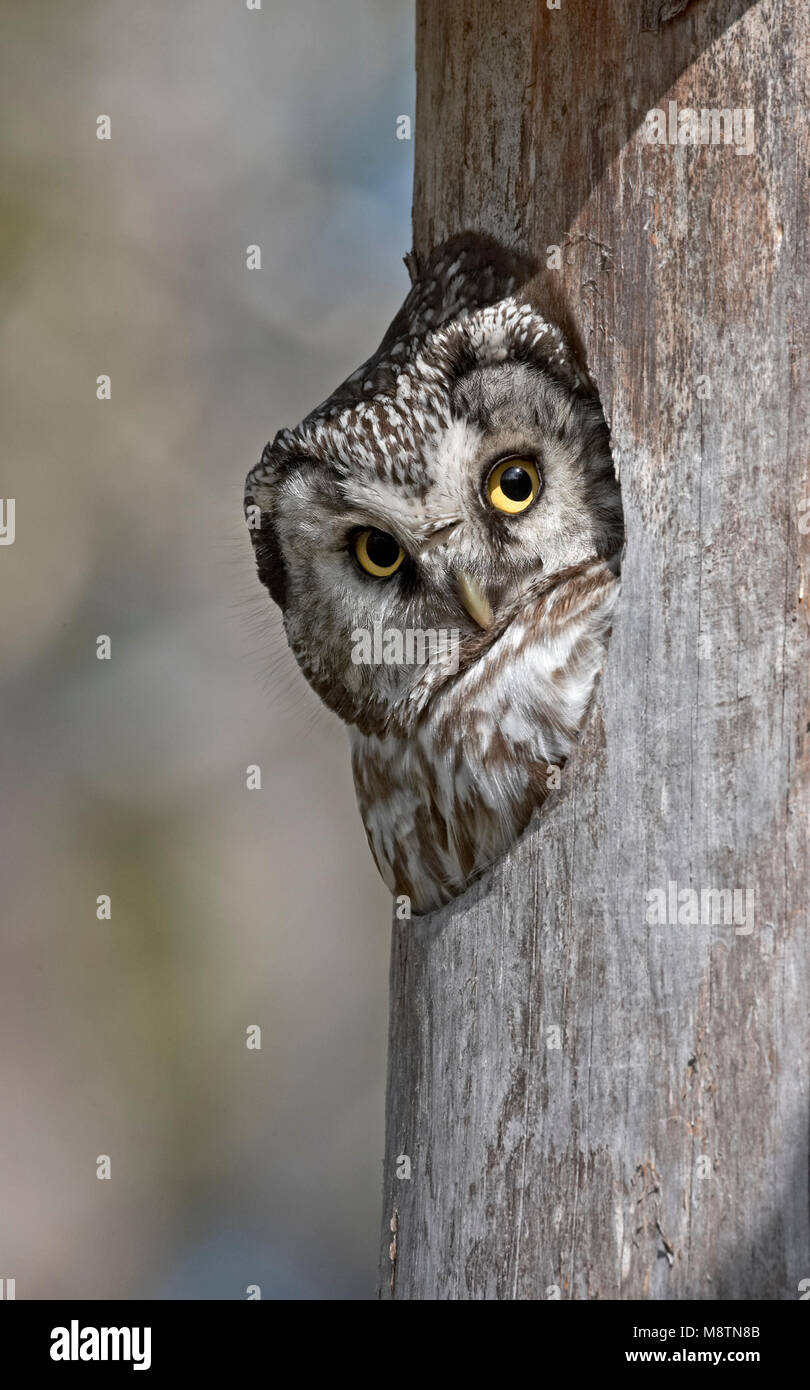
[[443, 801]]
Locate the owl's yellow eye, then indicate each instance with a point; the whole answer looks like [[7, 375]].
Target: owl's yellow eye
[[513, 485], [378, 553]]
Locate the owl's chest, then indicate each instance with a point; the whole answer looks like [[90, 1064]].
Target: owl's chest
[[440, 805]]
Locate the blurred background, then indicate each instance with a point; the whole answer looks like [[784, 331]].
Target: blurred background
[[230, 908]]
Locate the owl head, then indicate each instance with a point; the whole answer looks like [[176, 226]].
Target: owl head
[[449, 480]]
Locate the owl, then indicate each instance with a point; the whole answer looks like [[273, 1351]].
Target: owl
[[442, 536]]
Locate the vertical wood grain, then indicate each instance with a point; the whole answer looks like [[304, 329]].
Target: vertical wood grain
[[661, 1150]]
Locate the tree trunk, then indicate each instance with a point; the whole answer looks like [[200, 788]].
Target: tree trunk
[[595, 1098]]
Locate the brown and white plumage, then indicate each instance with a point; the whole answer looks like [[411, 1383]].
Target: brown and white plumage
[[474, 377]]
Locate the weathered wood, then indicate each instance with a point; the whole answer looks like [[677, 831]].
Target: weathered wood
[[661, 1151]]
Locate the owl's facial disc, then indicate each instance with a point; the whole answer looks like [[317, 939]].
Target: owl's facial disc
[[510, 485], [437, 493]]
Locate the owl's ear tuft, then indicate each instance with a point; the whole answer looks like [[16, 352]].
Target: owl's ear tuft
[[269, 559]]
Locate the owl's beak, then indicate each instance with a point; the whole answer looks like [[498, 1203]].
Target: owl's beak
[[474, 599]]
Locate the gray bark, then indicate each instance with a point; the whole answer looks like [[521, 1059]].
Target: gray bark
[[661, 1151]]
